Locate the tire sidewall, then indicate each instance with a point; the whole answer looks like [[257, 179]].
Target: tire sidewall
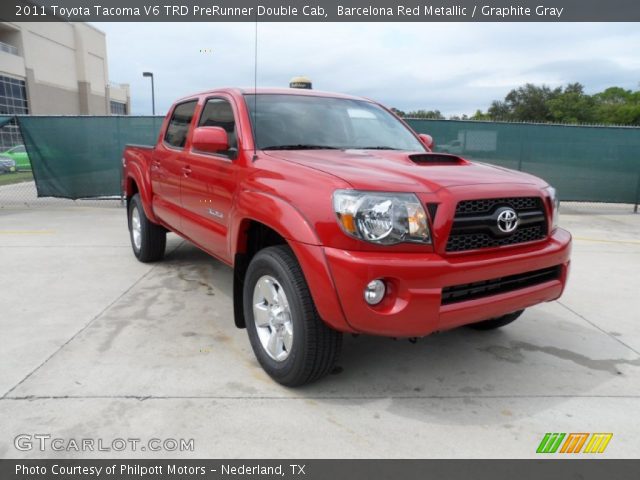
[[268, 264], [135, 204]]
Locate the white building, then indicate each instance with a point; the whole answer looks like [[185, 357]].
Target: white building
[[57, 68]]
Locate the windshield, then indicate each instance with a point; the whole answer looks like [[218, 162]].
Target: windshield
[[297, 122]]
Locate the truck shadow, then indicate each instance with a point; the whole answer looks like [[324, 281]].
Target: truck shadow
[[546, 358], [543, 360]]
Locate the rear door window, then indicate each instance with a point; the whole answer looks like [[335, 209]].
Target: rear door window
[[178, 128]]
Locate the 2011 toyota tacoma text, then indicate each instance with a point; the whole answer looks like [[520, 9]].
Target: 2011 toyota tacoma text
[[337, 217]]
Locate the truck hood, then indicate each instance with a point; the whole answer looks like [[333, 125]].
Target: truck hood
[[396, 171]]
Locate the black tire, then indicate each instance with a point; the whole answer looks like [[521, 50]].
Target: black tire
[[496, 322], [315, 346], [153, 237]]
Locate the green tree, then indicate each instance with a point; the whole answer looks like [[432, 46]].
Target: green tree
[[614, 96], [617, 106], [529, 103], [568, 104], [431, 114], [500, 111], [480, 115], [573, 106]]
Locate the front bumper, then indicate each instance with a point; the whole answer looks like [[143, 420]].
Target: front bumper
[[413, 306]]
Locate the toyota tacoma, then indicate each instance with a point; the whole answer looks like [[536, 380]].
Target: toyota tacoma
[[337, 217]]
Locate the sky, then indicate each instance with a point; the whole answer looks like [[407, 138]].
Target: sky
[[456, 68]]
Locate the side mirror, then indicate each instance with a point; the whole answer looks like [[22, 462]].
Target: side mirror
[[210, 139], [427, 140]]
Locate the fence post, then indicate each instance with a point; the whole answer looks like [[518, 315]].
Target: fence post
[[521, 138], [119, 140], [635, 208]]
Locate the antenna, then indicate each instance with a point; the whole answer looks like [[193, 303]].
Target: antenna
[[255, 92]]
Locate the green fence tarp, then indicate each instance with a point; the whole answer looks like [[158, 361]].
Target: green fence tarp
[[4, 119], [80, 156], [592, 164]]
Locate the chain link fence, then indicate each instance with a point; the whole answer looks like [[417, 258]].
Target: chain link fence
[[79, 157], [584, 163], [22, 193], [49, 159]]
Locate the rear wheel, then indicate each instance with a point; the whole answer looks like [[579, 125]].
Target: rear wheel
[[496, 322], [290, 340], [148, 239]]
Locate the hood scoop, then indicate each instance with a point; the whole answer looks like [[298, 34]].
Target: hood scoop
[[436, 159]]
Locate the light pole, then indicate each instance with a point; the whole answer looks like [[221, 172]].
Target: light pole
[[153, 93]]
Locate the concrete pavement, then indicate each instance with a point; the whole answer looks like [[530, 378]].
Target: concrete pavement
[[96, 345]]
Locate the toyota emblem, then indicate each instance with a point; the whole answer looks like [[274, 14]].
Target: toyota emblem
[[507, 220]]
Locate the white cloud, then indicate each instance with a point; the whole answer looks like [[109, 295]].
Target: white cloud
[[456, 68]]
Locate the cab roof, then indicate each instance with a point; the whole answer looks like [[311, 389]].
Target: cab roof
[[274, 91]]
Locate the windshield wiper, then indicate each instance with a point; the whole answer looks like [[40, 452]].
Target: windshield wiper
[[300, 147]]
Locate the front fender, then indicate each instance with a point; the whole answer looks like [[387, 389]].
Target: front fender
[[291, 224], [272, 211]]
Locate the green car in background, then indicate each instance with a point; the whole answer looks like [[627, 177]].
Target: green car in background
[[19, 155]]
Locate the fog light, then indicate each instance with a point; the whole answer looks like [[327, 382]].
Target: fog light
[[374, 292]]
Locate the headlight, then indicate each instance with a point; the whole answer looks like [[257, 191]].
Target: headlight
[[555, 202], [382, 218]]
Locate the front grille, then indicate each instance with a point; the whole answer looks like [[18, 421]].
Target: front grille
[[467, 207], [471, 291], [475, 224], [473, 241]]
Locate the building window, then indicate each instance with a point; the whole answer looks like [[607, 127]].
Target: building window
[[118, 108], [13, 96], [5, 47], [13, 101]]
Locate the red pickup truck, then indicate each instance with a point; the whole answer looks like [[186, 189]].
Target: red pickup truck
[[336, 217]]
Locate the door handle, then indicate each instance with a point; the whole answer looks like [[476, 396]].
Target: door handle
[[186, 170]]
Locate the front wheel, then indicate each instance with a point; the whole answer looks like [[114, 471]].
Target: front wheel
[[290, 340], [148, 239], [496, 322]]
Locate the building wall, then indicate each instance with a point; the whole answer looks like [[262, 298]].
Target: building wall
[[12, 65], [120, 97], [50, 99], [64, 65]]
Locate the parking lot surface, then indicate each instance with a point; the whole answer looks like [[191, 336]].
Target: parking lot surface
[[96, 345]]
